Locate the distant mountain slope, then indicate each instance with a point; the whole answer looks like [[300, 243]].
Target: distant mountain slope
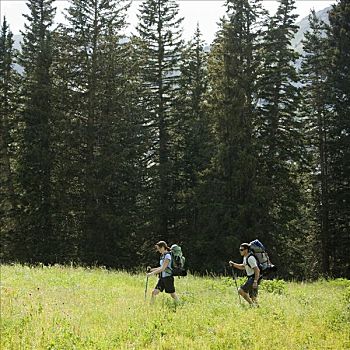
[[17, 41], [304, 26]]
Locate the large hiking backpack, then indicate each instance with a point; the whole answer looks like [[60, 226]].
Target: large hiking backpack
[[257, 249], [178, 261]]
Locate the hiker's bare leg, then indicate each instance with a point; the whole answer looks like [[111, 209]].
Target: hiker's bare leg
[[254, 302], [245, 295], [155, 292], [175, 297], [254, 296]]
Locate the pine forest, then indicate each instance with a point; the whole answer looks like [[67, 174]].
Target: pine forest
[[111, 142]]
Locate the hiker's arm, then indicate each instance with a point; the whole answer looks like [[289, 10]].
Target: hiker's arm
[[237, 266], [256, 277], [160, 269]]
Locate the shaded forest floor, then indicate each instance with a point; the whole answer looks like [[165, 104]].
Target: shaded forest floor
[[74, 308]]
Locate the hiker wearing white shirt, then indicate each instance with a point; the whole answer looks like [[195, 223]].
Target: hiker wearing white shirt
[[249, 290]]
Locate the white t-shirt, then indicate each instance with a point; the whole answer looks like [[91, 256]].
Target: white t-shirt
[[252, 263], [167, 256]]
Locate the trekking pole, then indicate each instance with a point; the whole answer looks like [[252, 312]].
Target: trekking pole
[[234, 277], [146, 286]]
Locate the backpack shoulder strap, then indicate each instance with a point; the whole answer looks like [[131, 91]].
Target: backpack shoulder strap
[[249, 255], [169, 267]]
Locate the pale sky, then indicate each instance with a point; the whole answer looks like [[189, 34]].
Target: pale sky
[[205, 12]]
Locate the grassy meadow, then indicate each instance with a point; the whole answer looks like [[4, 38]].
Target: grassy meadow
[[75, 308]]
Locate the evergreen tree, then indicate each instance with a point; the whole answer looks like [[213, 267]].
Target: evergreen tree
[[193, 143], [9, 101], [159, 51], [338, 141], [229, 192], [278, 133], [101, 133], [35, 162], [316, 114]]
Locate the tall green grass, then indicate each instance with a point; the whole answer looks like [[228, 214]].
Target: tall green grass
[[74, 308]]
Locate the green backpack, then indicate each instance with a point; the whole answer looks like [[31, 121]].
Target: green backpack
[[178, 261]]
